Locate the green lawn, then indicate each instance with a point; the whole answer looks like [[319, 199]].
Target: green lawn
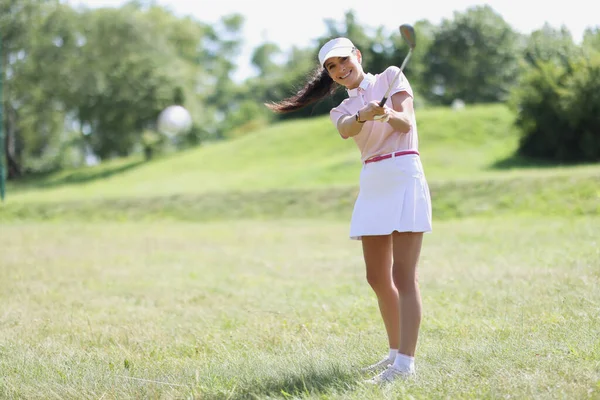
[[560, 194], [281, 309]]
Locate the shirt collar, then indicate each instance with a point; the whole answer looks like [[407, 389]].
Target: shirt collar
[[367, 81]]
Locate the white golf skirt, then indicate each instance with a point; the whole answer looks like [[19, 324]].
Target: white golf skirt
[[393, 196]]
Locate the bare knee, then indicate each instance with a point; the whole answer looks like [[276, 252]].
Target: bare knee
[[406, 278], [378, 281]]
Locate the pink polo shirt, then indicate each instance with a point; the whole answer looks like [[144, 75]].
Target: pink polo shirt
[[377, 138]]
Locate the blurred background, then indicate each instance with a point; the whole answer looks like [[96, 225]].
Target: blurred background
[[84, 81]]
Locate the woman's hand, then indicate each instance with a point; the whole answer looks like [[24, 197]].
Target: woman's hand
[[370, 111], [383, 118]]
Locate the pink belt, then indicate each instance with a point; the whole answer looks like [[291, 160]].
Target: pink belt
[[396, 154]]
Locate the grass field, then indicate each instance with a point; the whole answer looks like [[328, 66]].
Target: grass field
[[226, 272], [280, 309]]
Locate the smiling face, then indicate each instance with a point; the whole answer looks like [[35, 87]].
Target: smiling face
[[346, 71]]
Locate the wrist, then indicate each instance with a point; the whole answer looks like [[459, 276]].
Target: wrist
[[357, 118]]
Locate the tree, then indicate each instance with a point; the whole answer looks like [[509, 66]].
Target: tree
[[105, 75], [224, 45], [549, 44], [591, 39], [126, 74], [473, 57], [42, 82], [558, 110], [17, 21], [262, 59]]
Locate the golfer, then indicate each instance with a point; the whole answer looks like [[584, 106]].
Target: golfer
[[393, 207]]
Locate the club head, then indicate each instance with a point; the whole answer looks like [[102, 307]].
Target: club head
[[408, 34]]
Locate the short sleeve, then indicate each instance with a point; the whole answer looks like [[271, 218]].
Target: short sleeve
[[401, 84], [335, 114]]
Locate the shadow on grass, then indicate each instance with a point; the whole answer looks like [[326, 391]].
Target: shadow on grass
[[79, 176], [518, 161], [311, 381]]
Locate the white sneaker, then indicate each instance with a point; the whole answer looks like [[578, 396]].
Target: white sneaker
[[378, 366], [389, 375]]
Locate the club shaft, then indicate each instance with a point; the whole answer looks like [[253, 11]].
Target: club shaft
[[385, 97]]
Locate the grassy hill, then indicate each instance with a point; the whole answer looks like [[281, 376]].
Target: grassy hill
[[305, 168]]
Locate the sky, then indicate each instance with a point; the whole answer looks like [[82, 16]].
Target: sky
[[299, 22]]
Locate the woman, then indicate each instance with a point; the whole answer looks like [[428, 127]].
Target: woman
[[393, 208]]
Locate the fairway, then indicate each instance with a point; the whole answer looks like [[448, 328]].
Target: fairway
[[281, 309]]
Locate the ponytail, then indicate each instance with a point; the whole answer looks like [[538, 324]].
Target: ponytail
[[318, 86]]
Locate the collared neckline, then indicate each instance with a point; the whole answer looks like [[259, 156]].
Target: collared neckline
[[367, 81]]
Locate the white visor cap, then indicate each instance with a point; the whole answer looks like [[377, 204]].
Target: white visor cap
[[338, 47]]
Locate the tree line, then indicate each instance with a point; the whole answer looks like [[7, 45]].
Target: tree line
[[83, 84]]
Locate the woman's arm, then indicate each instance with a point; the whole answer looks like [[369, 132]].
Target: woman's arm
[[402, 113], [348, 126]]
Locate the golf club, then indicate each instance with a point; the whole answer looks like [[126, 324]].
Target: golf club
[[408, 34]]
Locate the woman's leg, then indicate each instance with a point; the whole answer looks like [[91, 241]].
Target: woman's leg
[[377, 251], [406, 252]]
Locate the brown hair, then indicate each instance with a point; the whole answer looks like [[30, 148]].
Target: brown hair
[[318, 86]]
